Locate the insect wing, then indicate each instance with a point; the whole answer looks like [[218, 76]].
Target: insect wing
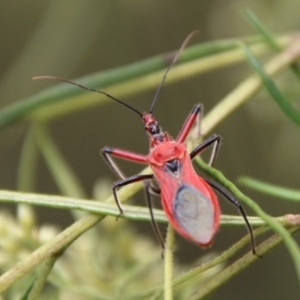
[[194, 214]]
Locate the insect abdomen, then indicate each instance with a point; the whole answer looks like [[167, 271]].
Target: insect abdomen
[[195, 215]]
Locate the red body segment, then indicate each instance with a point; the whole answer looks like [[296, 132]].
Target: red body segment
[[189, 202]]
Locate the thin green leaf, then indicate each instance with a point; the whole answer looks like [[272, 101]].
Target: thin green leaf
[[63, 239], [128, 80], [103, 208], [198, 270], [282, 102], [238, 266], [270, 189], [27, 164], [41, 254], [39, 281], [259, 27], [226, 274], [289, 242], [246, 89], [62, 173]]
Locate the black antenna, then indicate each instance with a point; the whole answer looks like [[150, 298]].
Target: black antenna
[[190, 36], [89, 89]]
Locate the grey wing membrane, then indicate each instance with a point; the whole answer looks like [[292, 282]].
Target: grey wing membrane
[[195, 214]]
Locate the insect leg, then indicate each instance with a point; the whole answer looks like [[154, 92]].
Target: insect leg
[[154, 190], [149, 188], [236, 203], [216, 141], [127, 181], [188, 124], [107, 152]]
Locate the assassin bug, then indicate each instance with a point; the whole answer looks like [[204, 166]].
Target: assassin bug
[[188, 200]]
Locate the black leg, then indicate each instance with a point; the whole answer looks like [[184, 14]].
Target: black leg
[[154, 190], [199, 121], [111, 163], [236, 203], [215, 140], [158, 234], [127, 181]]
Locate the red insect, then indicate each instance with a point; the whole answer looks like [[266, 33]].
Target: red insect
[[188, 200]]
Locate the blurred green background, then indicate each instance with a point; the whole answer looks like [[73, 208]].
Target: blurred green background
[[72, 38]]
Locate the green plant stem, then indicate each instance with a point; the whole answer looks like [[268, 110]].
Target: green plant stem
[[249, 87], [260, 28], [47, 250], [53, 246], [40, 280], [197, 271], [60, 241], [26, 180], [228, 273], [270, 85], [135, 272], [276, 226], [238, 266], [168, 290], [150, 81], [270, 189], [131, 212], [62, 173], [267, 35], [64, 99], [27, 164], [230, 252]]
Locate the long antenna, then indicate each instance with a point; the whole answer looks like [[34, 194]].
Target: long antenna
[[190, 36], [89, 89]]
